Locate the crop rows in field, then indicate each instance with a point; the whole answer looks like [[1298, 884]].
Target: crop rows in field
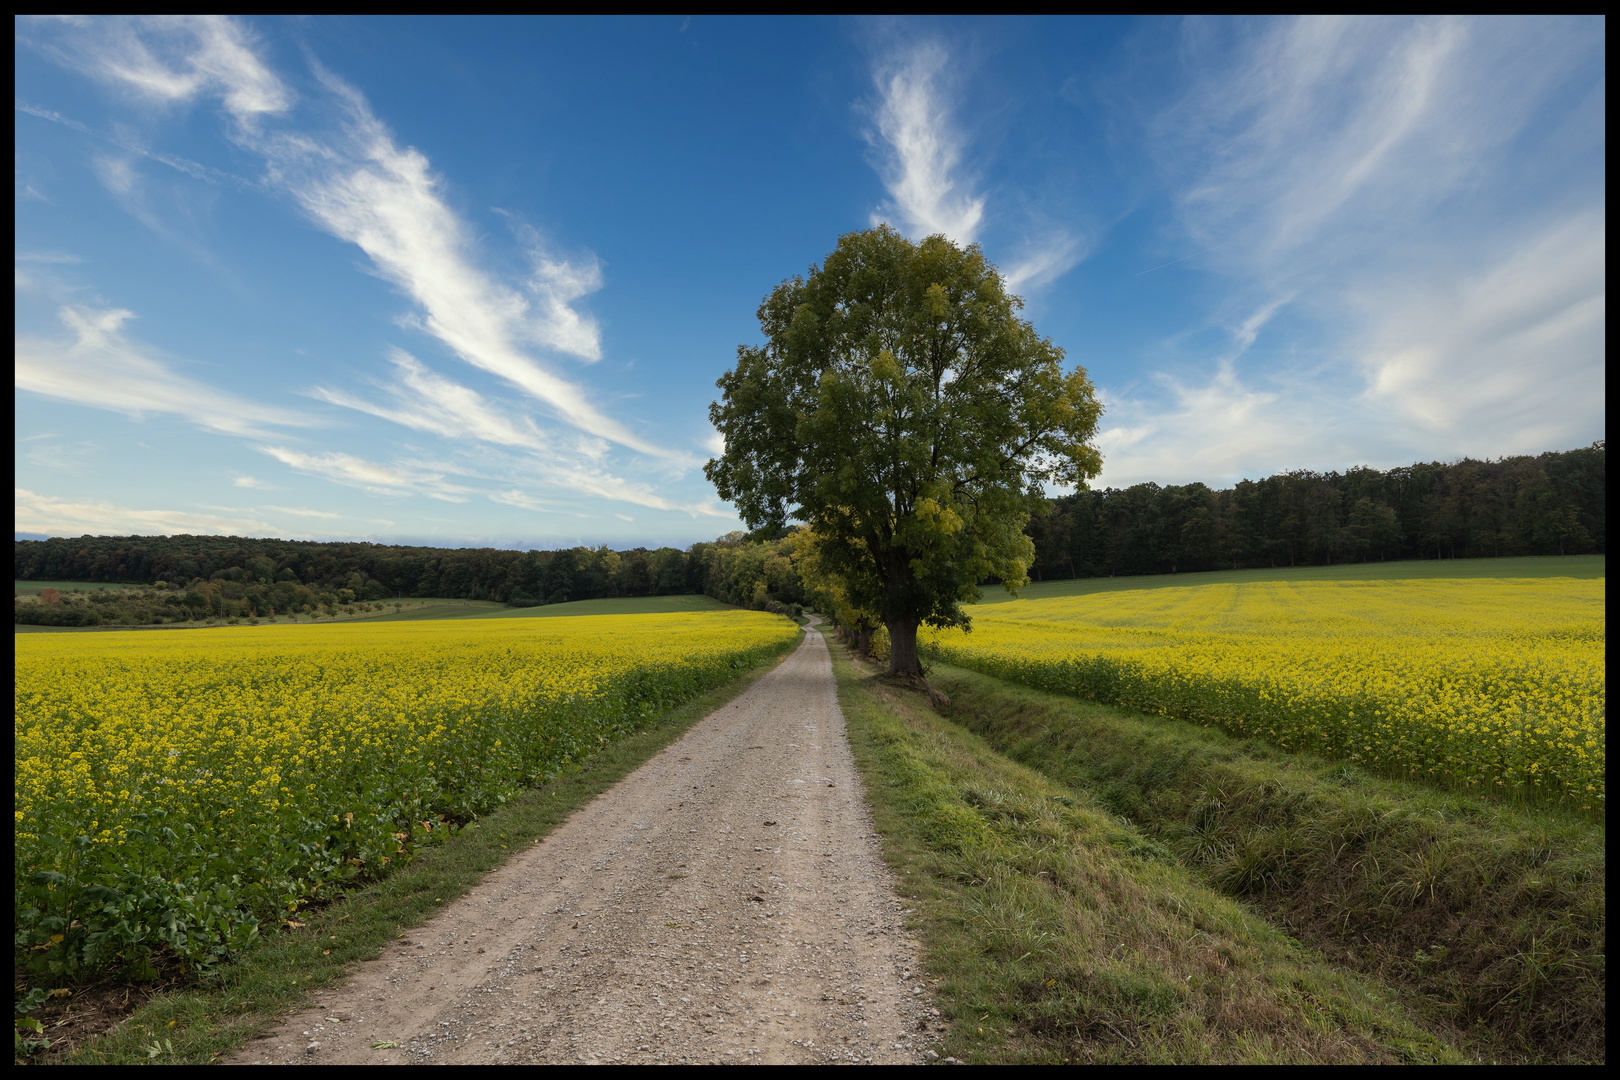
[[1481, 684], [177, 790]]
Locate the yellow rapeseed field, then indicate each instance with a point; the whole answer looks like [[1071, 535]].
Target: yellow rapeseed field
[[1478, 683], [178, 788]]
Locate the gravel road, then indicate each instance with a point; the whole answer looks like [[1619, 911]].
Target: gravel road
[[726, 902]]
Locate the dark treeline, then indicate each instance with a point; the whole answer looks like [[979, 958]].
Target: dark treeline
[[383, 572], [1547, 505], [181, 579]]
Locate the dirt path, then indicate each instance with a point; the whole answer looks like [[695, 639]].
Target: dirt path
[[726, 902]]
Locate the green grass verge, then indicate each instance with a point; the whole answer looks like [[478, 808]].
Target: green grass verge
[[206, 1022], [1529, 566], [1056, 933], [1493, 914], [439, 609]]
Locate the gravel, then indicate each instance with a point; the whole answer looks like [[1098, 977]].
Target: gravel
[[724, 903]]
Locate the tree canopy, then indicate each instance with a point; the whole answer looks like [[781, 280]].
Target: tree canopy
[[903, 411]]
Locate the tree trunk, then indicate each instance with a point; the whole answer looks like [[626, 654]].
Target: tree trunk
[[903, 648], [863, 637]]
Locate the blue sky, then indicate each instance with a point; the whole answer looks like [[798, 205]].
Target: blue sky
[[471, 281]]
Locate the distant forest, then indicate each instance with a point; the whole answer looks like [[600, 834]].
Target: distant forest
[[1547, 505]]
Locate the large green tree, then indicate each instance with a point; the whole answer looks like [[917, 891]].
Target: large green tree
[[903, 410]]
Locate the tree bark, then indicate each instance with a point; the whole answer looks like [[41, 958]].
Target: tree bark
[[903, 648], [863, 637]]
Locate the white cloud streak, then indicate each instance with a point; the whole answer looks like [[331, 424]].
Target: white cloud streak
[[170, 60], [193, 169], [53, 516], [378, 479], [919, 148], [427, 401], [365, 189], [1514, 349], [358, 184], [1387, 182], [1324, 138], [604, 485], [100, 367], [557, 481], [1043, 263], [1210, 432]]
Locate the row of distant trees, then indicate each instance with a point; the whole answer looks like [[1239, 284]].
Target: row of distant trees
[[280, 573], [749, 573], [1547, 505], [200, 601], [1551, 504]]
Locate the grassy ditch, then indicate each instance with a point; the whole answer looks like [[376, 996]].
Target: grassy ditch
[[1056, 933], [202, 1023], [1494, 914]]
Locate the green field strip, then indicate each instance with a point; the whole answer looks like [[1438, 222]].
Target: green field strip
[[1580, 567]]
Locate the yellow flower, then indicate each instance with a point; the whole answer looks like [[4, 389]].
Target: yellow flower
[[1503, 680], [230, 751]]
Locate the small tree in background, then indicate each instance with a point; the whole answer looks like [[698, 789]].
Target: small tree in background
[[902, 410]]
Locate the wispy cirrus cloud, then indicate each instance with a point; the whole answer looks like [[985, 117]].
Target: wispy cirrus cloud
[[167, 60], [304, 511], [427, 401], [918, 146], [1311, 140], [604, 485], [53, 516], [350, 176], [1514, 348], [364, 188], [1215, 429], [120, 139], [523, 501], [1424, 196], [921, 153], [559, 468], [1044, 261], [527, 481], [391, 479], [98, 365]]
